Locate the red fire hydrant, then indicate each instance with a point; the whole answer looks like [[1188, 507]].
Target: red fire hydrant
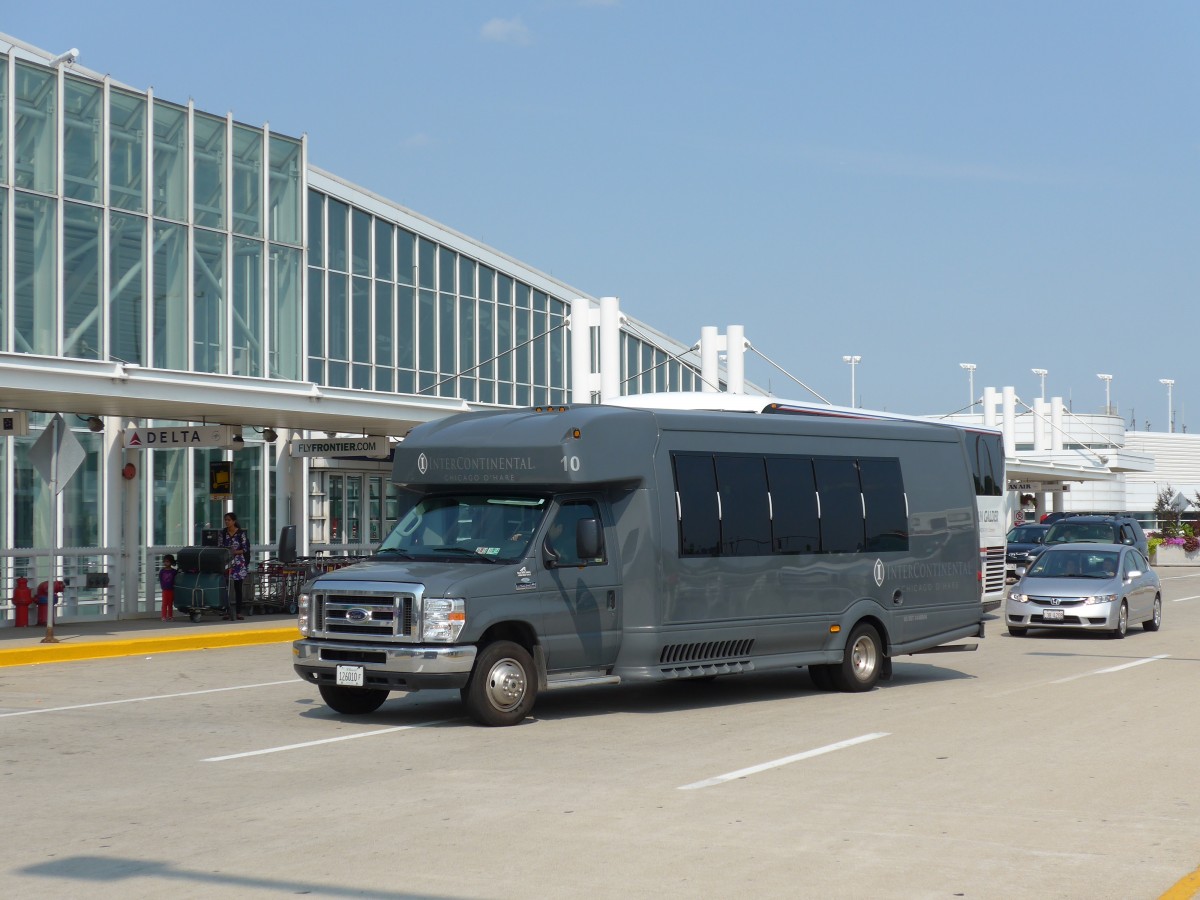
[[21, 600], [43, 599]]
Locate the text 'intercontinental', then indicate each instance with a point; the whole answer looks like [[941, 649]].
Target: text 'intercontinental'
[[928, 570], [475, 468]]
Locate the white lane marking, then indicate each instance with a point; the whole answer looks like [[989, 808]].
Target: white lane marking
[[1181, 599], [333, 740], [240, 687], [807, 754], [1177, 577], [1129, 665]]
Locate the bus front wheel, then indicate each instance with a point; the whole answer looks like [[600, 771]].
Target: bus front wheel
[[503, 685], [352, 701]]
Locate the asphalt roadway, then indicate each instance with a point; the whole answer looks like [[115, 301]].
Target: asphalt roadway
[[186, 759]]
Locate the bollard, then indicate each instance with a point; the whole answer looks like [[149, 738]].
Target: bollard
[[22, 598]]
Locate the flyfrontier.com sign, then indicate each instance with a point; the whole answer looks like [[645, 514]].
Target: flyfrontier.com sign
[[376, 446]]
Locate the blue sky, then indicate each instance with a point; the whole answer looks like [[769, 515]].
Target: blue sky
[[1015, 184]]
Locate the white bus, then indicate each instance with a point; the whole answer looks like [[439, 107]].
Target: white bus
[[985, 448]]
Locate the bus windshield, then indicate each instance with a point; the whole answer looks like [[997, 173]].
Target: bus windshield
[[482, 527]]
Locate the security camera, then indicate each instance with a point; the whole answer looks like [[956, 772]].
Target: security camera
[[66, 59]]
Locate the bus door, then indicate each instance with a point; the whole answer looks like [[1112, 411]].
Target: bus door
[[581, 598]]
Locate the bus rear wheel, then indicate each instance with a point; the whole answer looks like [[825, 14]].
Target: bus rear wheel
[[861, 663]]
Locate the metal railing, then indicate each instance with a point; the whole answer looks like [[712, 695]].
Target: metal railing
[[93, 577]]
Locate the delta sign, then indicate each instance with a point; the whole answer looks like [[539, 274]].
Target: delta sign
[[183, 438]]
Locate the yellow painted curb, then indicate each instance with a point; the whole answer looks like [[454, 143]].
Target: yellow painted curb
[[66, 651], [1185, 888]]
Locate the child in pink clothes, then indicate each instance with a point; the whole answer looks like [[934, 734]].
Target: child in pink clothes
[[166, 581]]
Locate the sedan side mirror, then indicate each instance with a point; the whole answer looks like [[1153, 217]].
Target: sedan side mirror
[[1132, 574]]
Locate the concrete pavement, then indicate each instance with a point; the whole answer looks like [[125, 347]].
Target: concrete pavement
[[135, 637]]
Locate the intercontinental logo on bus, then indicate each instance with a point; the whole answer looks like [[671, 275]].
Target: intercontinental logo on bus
[[475, 468]]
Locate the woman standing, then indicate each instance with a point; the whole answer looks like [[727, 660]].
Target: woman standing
[[234, 537]]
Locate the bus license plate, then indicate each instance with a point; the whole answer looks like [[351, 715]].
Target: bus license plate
[[350, 676], [1048, 615]]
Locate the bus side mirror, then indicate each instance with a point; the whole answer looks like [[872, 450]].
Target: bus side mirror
[[287, 544], [589, 539]]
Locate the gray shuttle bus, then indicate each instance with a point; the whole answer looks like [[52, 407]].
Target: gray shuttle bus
[[591, 545]]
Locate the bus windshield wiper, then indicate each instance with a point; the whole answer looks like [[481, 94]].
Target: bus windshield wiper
[[395, 551], [460, 551]]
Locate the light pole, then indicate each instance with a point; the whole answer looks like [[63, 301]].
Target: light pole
[[970, 367], [1107, 379], [1041, 373], [1170, 408], [853, 361]]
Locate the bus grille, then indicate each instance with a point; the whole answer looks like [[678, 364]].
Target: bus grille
[[361, 615]]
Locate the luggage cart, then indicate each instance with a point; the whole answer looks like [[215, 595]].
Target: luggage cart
[[202, 584], [319, 565], [275, 586]]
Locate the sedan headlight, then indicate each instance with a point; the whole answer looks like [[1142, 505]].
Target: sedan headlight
[[1101, 598], [1019, 598], [302, 613], [443, 620]]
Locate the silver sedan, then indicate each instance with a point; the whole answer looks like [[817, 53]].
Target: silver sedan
[[1094, 587]]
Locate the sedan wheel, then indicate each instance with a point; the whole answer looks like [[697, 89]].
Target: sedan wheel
[[1122, 628], [1155, 621]]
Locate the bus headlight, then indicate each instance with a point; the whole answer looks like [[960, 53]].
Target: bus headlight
[[443, 620], [302, 613]]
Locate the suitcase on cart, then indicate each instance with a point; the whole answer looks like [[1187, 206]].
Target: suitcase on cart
[[202, 584]]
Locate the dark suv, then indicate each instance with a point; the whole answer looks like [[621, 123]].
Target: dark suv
[[1098, 530]]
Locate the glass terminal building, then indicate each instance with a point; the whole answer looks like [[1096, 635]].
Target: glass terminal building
[[183, 294]]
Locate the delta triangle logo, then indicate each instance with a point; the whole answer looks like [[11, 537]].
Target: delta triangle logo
[[135, 440]]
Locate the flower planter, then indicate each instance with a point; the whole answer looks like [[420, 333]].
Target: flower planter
[[1174, 555]]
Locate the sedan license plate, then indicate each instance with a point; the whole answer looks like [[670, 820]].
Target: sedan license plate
[[1048, 615], [350, 676]]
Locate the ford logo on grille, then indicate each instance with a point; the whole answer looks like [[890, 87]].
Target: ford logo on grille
[[358, 615]]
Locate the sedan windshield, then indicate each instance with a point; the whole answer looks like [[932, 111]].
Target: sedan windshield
[[1027, 534], [1072, 532], [477, 527], [1076, 564]]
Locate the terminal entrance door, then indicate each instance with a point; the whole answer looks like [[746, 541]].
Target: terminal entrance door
[[355, 517]]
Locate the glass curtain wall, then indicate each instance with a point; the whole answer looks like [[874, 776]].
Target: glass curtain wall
[[4, 227], [391, 310], [177, 243]]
